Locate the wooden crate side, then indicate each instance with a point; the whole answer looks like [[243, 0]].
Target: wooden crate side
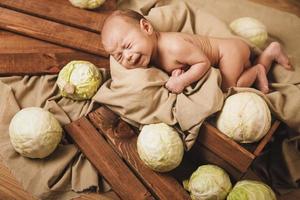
[[266, 138], [106, 161], [201, 155], [161, 184], [59, 12], [226, 148], [51, 31]]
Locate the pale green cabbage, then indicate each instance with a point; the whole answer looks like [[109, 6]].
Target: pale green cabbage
[[208, 182], [251, 29], [160, 147], [34, 132], [245, 117], [87, 4], [251, 190], [79, 80]]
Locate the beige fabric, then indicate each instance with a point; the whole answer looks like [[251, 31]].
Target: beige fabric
[[139, 96], [64, 171]]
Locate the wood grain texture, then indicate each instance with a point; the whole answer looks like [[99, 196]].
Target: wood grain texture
[[51, 31], [226, 148], [161, 184], [106, 161], [266, 138], [20, 55], [59, 12]]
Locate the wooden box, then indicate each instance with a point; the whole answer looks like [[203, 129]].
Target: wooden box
[[110, 144], [212, 146]]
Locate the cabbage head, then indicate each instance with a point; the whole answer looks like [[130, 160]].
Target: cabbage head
[[250, 29], [160, 147], [79, 80], [251, 190], [245, 117], [87, 4], [34, 132], [208, 182]]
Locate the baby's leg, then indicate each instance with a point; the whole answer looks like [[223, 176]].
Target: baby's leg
[[272, 53], [257, 74]]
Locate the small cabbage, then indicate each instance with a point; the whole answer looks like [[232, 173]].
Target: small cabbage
[[208, 182], [251, 190], [79, 80], [87, 4], [160, 147], [34, 132], [245, 117], [251, 29]]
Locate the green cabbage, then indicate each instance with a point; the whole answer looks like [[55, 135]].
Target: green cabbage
[[251, 29], [88, 4], [160, 147], [251, 190], [208, 182], [79, 80]]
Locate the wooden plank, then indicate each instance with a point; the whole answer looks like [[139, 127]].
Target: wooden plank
[[266, 138], [10, 188], [226, 148], [201, 155], [58, 12], [106, 161], [43, 63], [123, 140], [20, 55], [51, 31]]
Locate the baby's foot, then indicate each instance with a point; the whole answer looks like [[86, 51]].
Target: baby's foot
[[276, 51], [261, 82]]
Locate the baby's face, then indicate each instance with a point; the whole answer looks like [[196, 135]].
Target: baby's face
[[127, 43]]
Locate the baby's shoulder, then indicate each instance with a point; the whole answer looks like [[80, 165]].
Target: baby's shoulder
[[177, 43]]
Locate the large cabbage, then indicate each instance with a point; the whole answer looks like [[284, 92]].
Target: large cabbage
[[34, 132], [251, 190], [245, 117], [160, 147], [208, 182]]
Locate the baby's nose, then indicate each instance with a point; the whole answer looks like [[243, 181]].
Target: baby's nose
[[127, 55]]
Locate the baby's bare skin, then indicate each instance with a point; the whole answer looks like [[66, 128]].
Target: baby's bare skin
[[187, 57]]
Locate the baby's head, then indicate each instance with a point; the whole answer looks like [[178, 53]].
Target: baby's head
[[129, 38]]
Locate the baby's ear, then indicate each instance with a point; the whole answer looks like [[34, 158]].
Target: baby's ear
[[146, 26]]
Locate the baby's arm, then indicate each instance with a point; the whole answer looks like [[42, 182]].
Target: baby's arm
[[192, 56]]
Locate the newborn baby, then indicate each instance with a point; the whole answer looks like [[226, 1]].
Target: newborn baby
[[133, 42]]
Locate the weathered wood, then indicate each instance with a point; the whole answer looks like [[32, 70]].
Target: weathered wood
[[51, 31], [226, 148], [266, 138], [201, 155], [161, 184], [106, 161], [43, 63], [20, 55], [59, 12]]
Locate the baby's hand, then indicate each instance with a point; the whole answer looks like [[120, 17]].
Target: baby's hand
[[174, 85]]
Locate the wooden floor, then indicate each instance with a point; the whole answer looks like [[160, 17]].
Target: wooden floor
[[11, 189]]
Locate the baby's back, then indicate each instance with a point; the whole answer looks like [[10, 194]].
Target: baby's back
[[213, 48]]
